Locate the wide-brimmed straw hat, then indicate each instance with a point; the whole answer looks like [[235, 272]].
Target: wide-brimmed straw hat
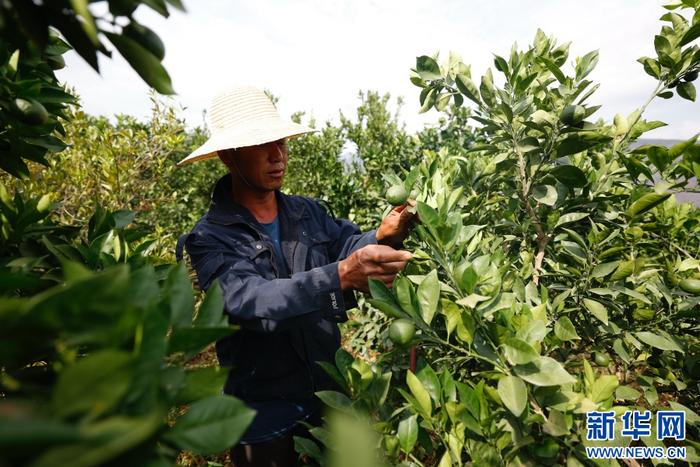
[[240, 117]]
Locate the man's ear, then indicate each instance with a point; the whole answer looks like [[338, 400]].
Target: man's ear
[[226, 156]]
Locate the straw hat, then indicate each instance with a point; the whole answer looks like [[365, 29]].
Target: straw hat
[[243, 116]]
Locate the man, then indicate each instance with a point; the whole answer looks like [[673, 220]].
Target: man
[[287, 271]]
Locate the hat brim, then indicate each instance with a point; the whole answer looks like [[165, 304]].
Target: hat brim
[[253, 135]]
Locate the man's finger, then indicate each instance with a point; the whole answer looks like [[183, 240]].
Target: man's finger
[[393, 267], [393, 256]]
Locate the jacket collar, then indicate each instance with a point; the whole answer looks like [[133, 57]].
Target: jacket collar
[[223, 210]]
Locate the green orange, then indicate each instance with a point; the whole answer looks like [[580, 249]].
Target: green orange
[[401, 331]]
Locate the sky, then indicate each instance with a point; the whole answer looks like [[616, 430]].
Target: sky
[[316, 55]]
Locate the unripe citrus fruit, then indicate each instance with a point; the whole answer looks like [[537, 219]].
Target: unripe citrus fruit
[[572, 114], [602, 359], [690, 285], [401, 331], [396, 195], [30, 111], [56, 62]]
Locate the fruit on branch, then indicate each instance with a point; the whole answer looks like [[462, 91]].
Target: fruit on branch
[[572, 114], [30, 111], [601, 359], [401, 331], [396, 195]]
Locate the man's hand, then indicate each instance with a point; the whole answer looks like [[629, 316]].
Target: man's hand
[[379, 262], [396, 226]]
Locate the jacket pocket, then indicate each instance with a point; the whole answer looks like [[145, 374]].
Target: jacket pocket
[[260, 254], [318, 250]]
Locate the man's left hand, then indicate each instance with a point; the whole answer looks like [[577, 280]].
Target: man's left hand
[[397, 225]]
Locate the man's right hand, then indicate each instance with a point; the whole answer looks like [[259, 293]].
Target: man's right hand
[[379, 262]]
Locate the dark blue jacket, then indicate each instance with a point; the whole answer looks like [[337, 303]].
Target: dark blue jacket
[[288, 308]]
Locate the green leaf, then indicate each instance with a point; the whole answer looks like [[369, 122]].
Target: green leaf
[[533, 332], [472, 300], [211, 311], [519, 352], [647, 202], [211, 425], [427, 98], [384, 300], [333, 372], [33, 432], [658, 341], [651, 66], [554, 69], [178, 291], [686, 91], [427, 68], [604, 269], [564, 329], [87, 21], [407, 433], [690, 35], [620, 350], [544, 372], [576, 143], [308, 447], [108, 439], [143, 62], [570, 175], [405, 295], [147, 376], [93, 384], [336, 400], [586, 64], [604, 387], [680, 148], [570, 217], [428, 217], [430, 382], [200, 383], [545, 194], [625, 269], [597, 309], [487, 89], [467, 87], [690, 416], [420, 393], [662, 45], [391, 310], [627, 393], [429, 295], [513, 393], [556, 425]]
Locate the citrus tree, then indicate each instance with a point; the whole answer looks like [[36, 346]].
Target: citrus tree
[[555, 274]]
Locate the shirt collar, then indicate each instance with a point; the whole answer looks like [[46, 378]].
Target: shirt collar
[[223, 210]]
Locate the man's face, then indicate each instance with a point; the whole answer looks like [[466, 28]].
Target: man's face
[[261, 166]]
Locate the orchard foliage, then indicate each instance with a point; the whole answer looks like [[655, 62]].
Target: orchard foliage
[[33, 38], [96, 334], [552, 268]]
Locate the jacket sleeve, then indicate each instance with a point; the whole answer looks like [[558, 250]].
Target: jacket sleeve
[[346, 236], [266, 305]]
